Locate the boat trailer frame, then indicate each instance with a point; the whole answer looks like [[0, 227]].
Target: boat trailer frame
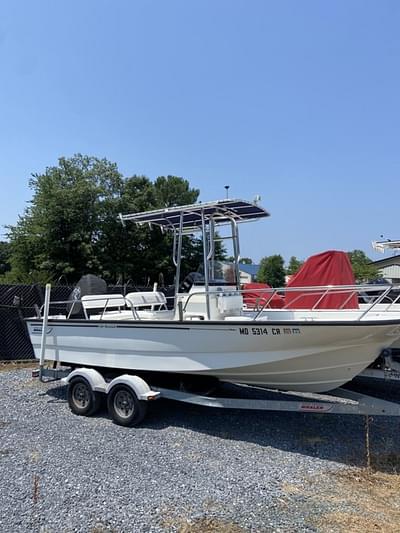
[[339, 401]]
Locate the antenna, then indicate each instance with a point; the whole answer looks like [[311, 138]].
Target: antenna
[[227, 191]]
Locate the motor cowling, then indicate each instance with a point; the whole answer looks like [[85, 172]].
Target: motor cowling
[[88, 284]]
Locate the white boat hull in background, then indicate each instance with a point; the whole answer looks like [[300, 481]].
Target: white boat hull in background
[[304, 356]]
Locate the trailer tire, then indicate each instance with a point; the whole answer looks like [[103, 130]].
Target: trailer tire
[[82, 399], [124, 406]]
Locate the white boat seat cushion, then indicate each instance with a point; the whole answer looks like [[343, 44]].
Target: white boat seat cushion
[[149, 305], [103, 301], [146, 299]]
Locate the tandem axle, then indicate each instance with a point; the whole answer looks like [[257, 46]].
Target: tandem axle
[[127, 397]]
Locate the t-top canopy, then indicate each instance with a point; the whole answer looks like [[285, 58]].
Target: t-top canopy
[[221, 211], [381, 246]]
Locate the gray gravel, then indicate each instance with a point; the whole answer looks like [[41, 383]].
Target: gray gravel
[[239, 470]]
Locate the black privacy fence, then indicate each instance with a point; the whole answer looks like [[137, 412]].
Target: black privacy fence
[[21, 301], [17, 302]]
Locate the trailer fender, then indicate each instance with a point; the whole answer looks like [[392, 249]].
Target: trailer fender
[[95, 379], [137, 384]]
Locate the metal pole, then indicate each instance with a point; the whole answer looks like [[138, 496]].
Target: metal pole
[[211, 254], [178, 259], [205, 260], [236, 251], [174, 258], [44, 329]]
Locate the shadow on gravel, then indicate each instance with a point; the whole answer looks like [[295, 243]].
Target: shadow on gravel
[[339, 438], [57, 394]]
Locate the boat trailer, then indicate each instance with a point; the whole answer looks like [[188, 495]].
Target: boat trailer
[[386, 367], [128, 396]]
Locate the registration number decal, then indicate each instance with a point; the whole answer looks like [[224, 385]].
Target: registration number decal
[[269, 331]]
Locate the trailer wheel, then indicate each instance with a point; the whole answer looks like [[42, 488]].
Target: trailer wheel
[[82, 399], [124, 406]]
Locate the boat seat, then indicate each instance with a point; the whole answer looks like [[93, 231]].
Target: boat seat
[[146, 299], [102, 301], [149, 305]]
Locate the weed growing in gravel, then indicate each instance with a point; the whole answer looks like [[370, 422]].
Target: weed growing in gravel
[[102, 528], [202, 525]]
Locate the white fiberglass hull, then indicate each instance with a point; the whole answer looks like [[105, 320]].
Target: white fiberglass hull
[[312, 357], [386, 311], [378, 312]]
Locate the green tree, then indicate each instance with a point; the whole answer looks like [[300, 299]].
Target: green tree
[[272, 271], [362, 267], [5, 253], [294, 266], [171, 191], [61, 231], [71, 226], [242, 260]]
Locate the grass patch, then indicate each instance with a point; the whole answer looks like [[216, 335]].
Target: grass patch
[[350, 523], [8, 366], [181, 524], [291, 488], [374, 497], [211, 525], [389, 463]]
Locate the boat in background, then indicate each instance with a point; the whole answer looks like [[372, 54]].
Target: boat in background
[[394, 301], [388, 244]]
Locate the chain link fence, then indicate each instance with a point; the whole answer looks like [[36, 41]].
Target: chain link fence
[[21, 301], [16, 303]]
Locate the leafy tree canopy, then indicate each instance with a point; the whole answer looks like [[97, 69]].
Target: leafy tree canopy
[[71, 226], [294, 266], [243, 260], [272, 271], [5, 252], [362, 268]]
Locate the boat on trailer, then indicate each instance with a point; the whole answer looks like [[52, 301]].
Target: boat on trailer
[[207, 333]]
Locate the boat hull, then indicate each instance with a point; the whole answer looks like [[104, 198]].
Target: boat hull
[[314, 357]]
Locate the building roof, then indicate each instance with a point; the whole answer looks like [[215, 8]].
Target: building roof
[[393, 260], [249, 269]]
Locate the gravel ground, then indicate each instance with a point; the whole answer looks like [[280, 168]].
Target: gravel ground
[[185, 469]]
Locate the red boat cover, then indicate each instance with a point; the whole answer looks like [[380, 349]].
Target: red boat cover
[[256, 295], [326, 268]]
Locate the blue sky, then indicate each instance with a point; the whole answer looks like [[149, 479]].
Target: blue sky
[[295, 101]]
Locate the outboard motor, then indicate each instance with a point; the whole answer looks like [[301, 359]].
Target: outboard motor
[[88, 284], [190, 280]]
